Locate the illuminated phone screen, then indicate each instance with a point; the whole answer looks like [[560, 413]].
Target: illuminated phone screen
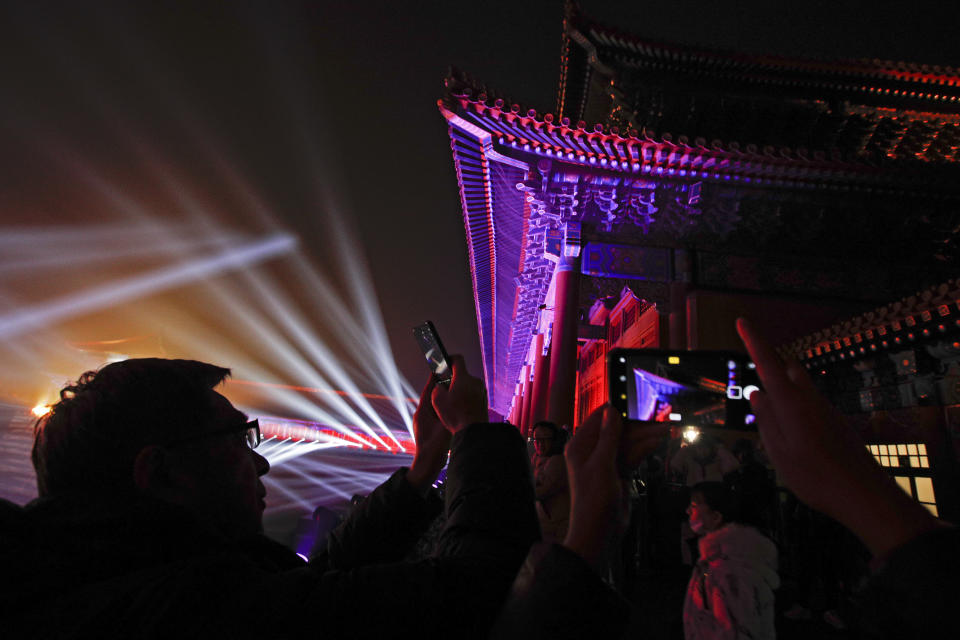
[[689, 388], [436, 356]]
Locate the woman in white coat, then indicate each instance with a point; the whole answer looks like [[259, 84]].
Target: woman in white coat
[[730, 594]]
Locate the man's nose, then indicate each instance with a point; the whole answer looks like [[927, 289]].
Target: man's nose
[[262, 464]]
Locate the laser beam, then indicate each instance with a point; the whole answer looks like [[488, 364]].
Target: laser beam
[[138, 286]]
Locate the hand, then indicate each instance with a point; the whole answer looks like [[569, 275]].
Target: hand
[[637, 441], [463, 402], [821, 459], [433, 441], [599, 458]]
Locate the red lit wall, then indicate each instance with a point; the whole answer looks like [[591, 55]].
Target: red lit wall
[[630, 324]]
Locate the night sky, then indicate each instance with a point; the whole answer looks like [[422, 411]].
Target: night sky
[[321, 108]]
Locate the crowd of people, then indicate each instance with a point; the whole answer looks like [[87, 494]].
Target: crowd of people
[[149, 522]]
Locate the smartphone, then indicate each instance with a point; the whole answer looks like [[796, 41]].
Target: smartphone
[[699, 389], [437, 359]]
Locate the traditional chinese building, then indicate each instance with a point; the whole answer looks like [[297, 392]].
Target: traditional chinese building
[[676, 188]]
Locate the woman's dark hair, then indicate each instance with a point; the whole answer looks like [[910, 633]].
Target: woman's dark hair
[[720, 498], [559, 436]]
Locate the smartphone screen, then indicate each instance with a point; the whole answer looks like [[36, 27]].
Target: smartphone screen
[[429, 341], [690, 388]]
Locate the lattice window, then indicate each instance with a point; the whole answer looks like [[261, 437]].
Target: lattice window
[[901, 455], [910, 467], [629, 316]]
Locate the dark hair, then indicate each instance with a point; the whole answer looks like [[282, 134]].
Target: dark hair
[[92, 436], [560, 436], [720, 498]]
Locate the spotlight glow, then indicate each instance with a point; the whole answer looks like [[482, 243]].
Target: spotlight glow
[[40, 410], [207, 237], [114, 293]]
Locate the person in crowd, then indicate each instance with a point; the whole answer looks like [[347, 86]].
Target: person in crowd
[[701, 460], [912, 591], [731, 590], [150, 516], [151, 505], [550, 483], [559, 592]]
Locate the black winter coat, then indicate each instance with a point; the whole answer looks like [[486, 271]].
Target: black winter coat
[[134, 567]]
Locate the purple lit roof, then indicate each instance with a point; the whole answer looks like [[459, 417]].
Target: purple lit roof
[[523, 175], [512, 168], [510, 275], [605, 149]]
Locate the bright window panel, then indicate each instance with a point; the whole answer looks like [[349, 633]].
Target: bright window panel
[[883, 449], [912, 449], [914, 461], [925, 490], [894, 461], [922, 449], [874, 449], [904, 483], [924, 463], [901, 449], [933, 509], [884, 461]]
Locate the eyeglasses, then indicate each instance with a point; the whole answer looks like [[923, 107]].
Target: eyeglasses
[[249, 430], [546, 439]]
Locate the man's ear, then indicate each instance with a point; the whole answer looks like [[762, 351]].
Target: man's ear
[[148, 468], [160, 472]]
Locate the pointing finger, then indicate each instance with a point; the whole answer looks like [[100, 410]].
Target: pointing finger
[[769, 367], [611, 428]]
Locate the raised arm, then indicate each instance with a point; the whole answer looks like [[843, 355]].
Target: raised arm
[[599, 459], [403, 504], [822, 460], [558, 593]]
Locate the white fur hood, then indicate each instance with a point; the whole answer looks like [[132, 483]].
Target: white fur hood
[[743, 550]]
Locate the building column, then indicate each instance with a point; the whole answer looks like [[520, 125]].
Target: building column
[[527, 398], [563, 344], [541, 380]]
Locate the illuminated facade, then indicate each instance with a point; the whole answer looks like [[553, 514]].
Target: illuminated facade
[[715, 184], [895, 372]]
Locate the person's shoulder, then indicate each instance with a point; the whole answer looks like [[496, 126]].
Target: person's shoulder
[[754, 538], [556, 464], [726, 455], [10, 514]]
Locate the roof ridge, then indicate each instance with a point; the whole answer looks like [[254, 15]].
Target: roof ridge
[[939, 299], [475, 94], [906, 71]]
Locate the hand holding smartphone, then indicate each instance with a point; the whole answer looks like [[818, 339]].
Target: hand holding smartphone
[[703, 389], [437, 358]]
